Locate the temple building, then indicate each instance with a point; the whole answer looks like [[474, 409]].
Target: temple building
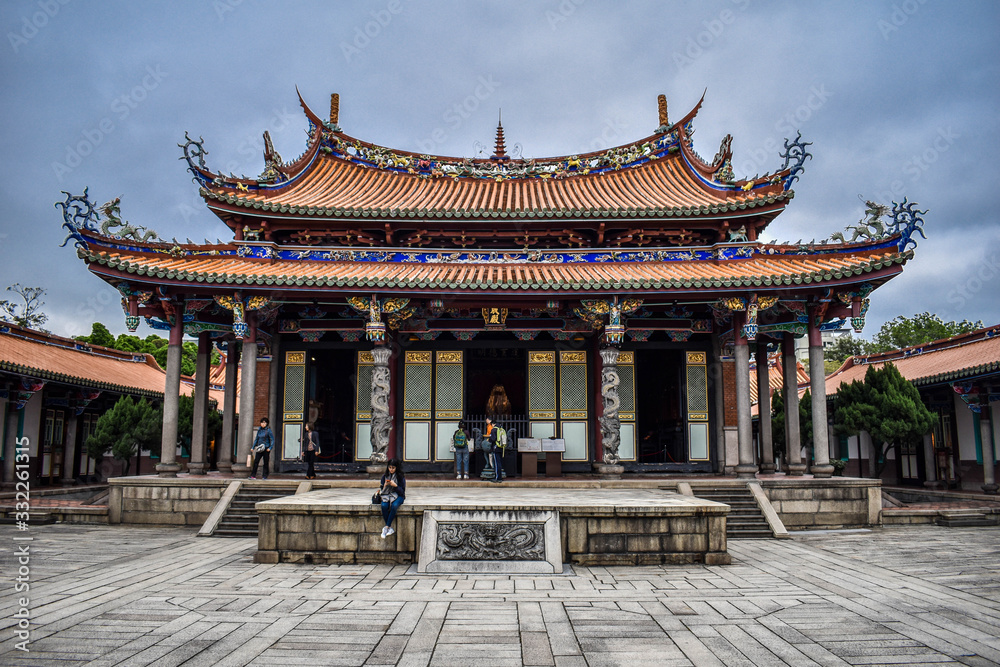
[[610, 299]]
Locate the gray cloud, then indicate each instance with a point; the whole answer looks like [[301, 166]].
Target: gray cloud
[[123, 81]]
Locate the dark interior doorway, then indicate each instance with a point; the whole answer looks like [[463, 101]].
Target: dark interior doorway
[[488, 367], [660, 407], [331, 392]]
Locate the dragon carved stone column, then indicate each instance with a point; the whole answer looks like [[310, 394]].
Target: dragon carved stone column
[[381, 419], [610, 422]]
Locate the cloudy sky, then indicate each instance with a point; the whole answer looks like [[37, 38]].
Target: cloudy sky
[[899, 97]]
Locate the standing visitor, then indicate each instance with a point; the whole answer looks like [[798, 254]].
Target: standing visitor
[[262, 444], [310, 447], [460, 441], [494, 451], [393, 492]]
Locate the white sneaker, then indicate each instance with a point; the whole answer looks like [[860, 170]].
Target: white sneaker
[[384, 531], [465, 477], [458, 477], [390, 532]]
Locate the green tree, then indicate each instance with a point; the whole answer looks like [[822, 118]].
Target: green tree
[[885, 405], [778, 420], [185, 420], [26, 313], [845, 346], [99, 335], [922, 328], [127, 428]]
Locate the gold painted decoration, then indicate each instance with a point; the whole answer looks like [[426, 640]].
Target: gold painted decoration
[[292, 416], [543, 415], [626, 358], [696, 357], [418, 357], [358, 303], [541, 357], [765, 302], [734, 303], [295, 357], [631, 305], [698, 416], [257, 302], [495, 317], [365, 357], [573, 357], [574, 415], [449, 357], [394, 305], [416, 415]]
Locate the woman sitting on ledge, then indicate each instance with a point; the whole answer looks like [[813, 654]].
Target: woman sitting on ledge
[[393, 486]]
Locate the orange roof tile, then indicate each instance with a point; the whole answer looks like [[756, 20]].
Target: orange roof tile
[[48, 357], [948, 360], [337, 187], [762, 270]]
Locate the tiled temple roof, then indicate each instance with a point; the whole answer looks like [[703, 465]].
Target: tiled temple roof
[[955, 359], [47, 357], [335, 187], [339, 176], [758, 270]]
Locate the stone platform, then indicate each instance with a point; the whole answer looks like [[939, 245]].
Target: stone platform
[[597, 526]]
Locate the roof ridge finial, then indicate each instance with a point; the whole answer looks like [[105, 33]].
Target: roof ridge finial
[[661, 103], [500, 151], [335, 109]]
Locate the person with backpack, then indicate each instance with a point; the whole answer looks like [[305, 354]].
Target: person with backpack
[[460, 443], [497, 439]]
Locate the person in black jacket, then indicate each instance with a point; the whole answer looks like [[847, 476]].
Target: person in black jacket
[[393, 492], [310, 448]]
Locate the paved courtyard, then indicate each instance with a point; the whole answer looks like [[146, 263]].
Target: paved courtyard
[[160, 596]]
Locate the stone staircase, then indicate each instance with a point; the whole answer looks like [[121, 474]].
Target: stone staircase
[[240, 519], [745, 519], [966, 518]]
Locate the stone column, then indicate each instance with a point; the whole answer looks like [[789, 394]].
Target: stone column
[[69, 457], [793, 438], [273, 401], [764, 408], [9, 440], [746, 469], [610, 422], [381, 419], [989, 456], [719, 405], [168, 467], [817, 384], [248, 385], [199, 420], [930, 461], [224, 450]]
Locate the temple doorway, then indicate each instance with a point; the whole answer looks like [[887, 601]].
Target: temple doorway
[[660, 422], [499, 373], [330, 393]]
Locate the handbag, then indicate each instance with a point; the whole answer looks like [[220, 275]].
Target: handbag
[[377, 498], [249, 460]]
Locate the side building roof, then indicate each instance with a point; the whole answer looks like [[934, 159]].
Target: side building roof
[[959, 358], [67, 361]]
